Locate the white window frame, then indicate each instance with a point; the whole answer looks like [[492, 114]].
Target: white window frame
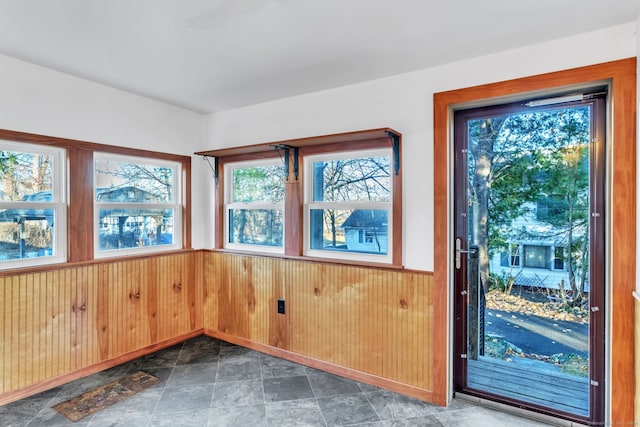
[[310, 204], [57, 204], [229, 205], [176, 205]]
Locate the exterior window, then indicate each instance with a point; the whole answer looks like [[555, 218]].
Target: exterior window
[[511, 258], [138, 205], [536, 256], [558, 259], [254, 205], [348, 205], [32, 205]]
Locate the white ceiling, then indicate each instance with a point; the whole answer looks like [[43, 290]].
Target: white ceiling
[[210, 55]]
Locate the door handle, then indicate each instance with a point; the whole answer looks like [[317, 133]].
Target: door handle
[[459, 251]]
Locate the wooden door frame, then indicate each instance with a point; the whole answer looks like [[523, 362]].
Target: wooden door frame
[[621, 75]]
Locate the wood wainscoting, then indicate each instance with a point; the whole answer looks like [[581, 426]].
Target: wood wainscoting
[[63, 323], [370, 324]]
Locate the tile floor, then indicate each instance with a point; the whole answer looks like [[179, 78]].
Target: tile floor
[[206, 382]]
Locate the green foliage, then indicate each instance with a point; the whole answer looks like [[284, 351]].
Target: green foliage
[[532, 157], [258, 184]]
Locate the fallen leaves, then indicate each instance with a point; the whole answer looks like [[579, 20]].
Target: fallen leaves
[[498, 300]]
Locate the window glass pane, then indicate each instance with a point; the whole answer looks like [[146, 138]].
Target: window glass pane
[[26, 233], [126, 182], [256, 227], [26, 176], [132, 228], [258, 184], [358, 230], [354, 179], [536, 256]]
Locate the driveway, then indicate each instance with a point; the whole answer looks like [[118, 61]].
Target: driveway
[[538, 335]]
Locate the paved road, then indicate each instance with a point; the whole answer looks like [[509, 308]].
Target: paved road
[[539, 335]]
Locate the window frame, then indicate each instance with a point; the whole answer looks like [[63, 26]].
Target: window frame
[[229, 205], [58, 203], [176, 205], [293, 153], [310, 204]]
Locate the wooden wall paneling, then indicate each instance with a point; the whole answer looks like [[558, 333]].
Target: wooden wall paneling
[[80, 214], [178, 296], [210, 291], [67, 322], [154, 313], [279, 331], [195, 296], [361, 320], [103, 311]]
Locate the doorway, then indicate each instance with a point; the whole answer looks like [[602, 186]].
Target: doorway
[[529, 181]]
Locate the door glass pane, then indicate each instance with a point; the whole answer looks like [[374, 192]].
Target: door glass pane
[[528, 214]]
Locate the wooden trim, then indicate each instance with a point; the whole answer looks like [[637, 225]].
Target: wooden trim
[[331, 261], [293, 210], [369, 144], [32, 138], [260, 155], [186, 204], [80, 217], [351, 374], [70, 265], [397, 210], [89, 370], [218, 208], [622, 75], [341, 138]]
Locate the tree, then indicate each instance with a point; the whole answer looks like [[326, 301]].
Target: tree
[[566, 182], [348, 180], [506, 163], [257, 184]]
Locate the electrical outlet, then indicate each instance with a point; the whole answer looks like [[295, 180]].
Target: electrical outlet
[[280, 306]]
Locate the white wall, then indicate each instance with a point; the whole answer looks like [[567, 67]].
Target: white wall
[[405, 103], [39, 100]]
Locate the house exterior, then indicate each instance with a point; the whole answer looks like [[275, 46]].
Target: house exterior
[[366, 231], [531, 260]]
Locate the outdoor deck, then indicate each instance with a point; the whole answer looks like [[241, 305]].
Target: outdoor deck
[[530, 381]]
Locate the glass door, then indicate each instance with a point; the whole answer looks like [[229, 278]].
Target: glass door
[[529, 254]]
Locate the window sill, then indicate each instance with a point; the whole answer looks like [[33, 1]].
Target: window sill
[[319, 260], [97, 261]]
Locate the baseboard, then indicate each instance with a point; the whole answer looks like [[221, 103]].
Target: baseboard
[[59, 380], [352, 374]]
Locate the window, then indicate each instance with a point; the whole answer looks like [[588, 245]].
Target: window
[[348, 205], [536, 256], [337, 197], [254, 205], [512, 257], [558, 260], [138, 205], [32, 205]]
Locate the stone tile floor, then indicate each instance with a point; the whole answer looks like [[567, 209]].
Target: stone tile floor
[[206, 382]]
